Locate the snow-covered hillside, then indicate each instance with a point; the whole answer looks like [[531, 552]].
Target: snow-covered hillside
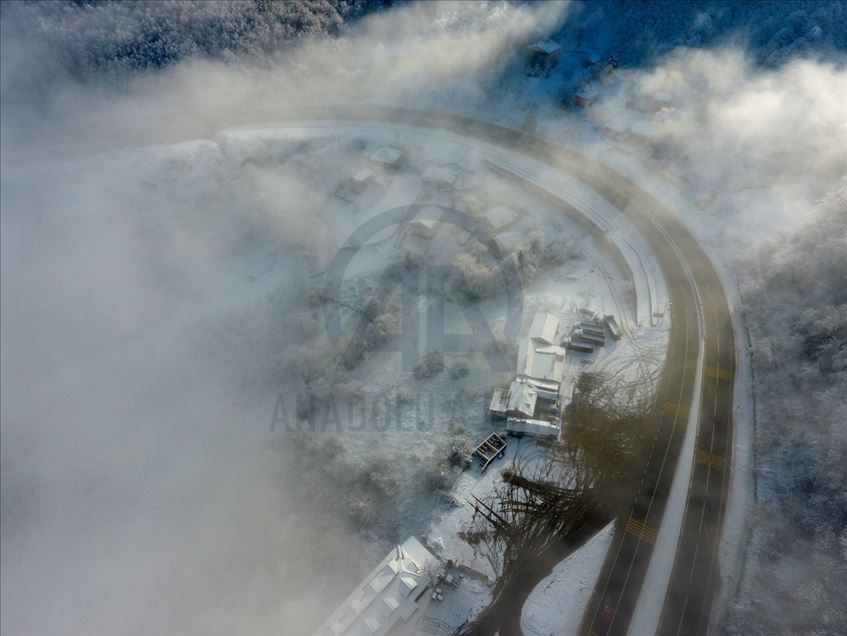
[[163, 254]]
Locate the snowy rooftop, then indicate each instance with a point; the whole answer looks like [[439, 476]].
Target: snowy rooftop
[[548, 47], [388, 156], [499, 216], [522, 398], [532, 427], [543, 363], [616, 125], [442, 175], [544, 327], [499, 401], [363, 175], [387, 595], [426, 223]]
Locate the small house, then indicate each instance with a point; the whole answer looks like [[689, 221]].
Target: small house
[[617, 129], [390, 595], [427, 222], [441, 176], [661, 100], [361, 180], [499, 218], [528, 426], [425, 228], [544, 53], [519, 400], [390, 158], [585, 96], [545, 327]]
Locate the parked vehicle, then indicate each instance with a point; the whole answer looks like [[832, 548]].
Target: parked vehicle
[[612, 324]]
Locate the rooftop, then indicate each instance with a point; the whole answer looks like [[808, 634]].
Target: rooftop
[[533, 427], [522, 398], [363, 175], [547, 47], [386, 155], [499, 216], [445, 175], [543, 363], [544, 327], [387, 595]]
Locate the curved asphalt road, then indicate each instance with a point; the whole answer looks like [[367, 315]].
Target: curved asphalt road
[[694, 287]]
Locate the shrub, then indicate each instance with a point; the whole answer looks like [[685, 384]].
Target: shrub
[[459, 369], [430, 365]]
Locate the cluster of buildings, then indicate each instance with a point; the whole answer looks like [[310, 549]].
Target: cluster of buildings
[[543, 386], [533, 403]]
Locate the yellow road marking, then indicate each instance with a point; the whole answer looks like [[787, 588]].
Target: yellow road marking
[[710, 459], [640, 530], [718, 373], [676, 409]]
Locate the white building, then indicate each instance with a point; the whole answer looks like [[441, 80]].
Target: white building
[[538, 390], [544, 51], [541, 357], [389, 595], [441, 176], [529, 426], [499, 218], [427, 222], [542, 365], [391, 158], [518, 400], [362, 179], [546, 328]]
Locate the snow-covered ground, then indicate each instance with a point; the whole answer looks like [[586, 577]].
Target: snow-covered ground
[[158, 296], [557, 603]]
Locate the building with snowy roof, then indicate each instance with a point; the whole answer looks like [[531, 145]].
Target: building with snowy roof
[[617, 129], [518, 400], [544, 53], [389, 595], [362, 179], [538, 389], [545, 327], [661, 100], [529, 426], [391, 158], [499, 217], [546, 48], [441, 176]]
